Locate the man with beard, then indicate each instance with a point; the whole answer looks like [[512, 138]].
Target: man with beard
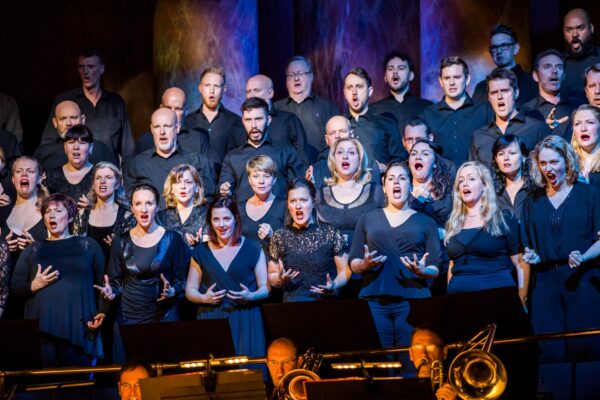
[[503, 92], [378, 134], [314, 111], [152, 166], [221, 124], [401, 104], [285, 127], [550, 106], [234, 179], [504, 47], [592, 84], [581, 53]]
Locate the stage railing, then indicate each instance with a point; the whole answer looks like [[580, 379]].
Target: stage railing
[[241, 360]]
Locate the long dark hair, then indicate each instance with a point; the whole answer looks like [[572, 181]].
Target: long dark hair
[[441, 181], [499, 178], [231, 205]]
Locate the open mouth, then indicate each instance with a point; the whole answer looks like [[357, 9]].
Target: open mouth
[[103, 188], [419, 166], [144, 217], [24, 183], [183, 194], [507, 165], [396, 79], [584, 137], [299, 215], [355, 101], [345, 164], [466, 192], [576, 44], [551, 178], [396, 192]]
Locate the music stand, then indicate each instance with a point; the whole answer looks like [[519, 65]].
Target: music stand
[[178, 341], [20, 345], [377, 388], [327, 326]]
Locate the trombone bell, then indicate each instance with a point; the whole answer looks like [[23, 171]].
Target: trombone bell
[[476, 374]]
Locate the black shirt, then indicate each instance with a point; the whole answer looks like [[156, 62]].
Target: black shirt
[[108, 121], [233, 169], [452, 129], [314, 112], [11, 146], [403, 112], [529, 129], [540, 108], [225, 126], [149, 167], [51, 155], [573, 85], [379, 136], [196, 140], [528, 88], [285, 129], [57, 182]]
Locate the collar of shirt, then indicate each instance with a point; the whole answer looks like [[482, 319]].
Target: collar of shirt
[[442, 105], [220, 108], [368, 115], [519, 117], [266, 141], [80, 93], [594, 51], [178, 150], [311, 97]]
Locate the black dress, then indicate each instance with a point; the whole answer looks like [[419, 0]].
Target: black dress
[[123, 223], [134, 274], [345, 216], [245, 320], [275, 217], [3, 273], [482, 261], [61, 306], [564, 298], [56, 182], [311, 251], [169, 219]]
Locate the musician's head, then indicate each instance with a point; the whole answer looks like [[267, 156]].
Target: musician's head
[[129, 379], [282, 357], [426, 346]]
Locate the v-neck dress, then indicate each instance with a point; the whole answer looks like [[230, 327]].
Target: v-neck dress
[[245, 320], [482, 261]]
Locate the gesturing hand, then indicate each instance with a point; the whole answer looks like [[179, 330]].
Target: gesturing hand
[[96, 322], [243, 296], [265, 231], [106, 290], [327, 288], [575, 259], [286, 275], [225, 189], [83, 202], [418, 267], [108, 239], [308, 175], [25, 240], [192, 239], [371, 260], [43, 279], [214, 298], [13, 243], [530, 256], [167, 291], [4, 200], [552, 121]]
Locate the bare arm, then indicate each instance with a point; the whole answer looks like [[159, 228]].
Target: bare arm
[[523, 272]]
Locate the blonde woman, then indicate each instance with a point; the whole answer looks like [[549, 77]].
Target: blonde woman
[[586, 123], [349, 192], [186, 209], [109, 214], [263, 213], [481, 239], [561, 219]]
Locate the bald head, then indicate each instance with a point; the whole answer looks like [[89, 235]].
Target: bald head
[[164, 128], [260, 86], [337, 127], [282, 357], [577, 32], [66, 115], [174, 98]]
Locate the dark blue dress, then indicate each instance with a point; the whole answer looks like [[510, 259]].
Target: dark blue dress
[[245, 320], [482, 261]]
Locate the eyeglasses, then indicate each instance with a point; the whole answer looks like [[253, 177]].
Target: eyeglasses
[[301, 74], [283, 363], [500, 47], [422, 347]]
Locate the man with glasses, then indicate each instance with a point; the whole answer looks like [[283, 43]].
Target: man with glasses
[[504, 47], [314, 111], [427, 346], [282, 357], [129, 379]]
